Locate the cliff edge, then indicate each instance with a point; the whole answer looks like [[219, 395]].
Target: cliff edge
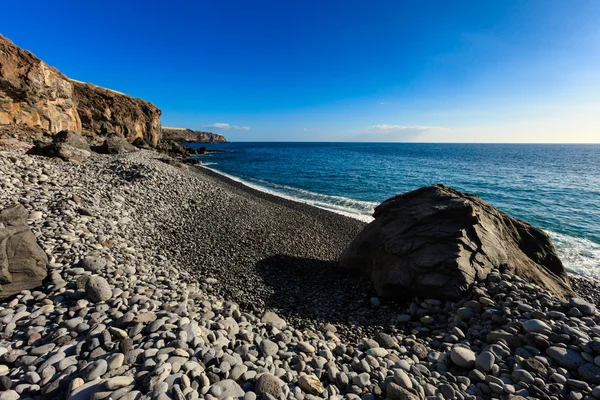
[[34, 95]]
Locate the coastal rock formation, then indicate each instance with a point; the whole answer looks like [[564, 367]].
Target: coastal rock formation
[[67, 145], [188, 135], [104, 111], [436, 241], [22, 261], [34, 94], [116, 145]]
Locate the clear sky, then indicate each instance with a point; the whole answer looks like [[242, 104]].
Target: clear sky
[[466, 71]]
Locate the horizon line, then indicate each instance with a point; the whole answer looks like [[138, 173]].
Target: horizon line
[[369, 142]]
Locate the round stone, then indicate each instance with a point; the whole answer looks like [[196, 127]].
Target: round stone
[[566, 358], [463, 357], [361, 380], [98, 289], [94, 264], [485, 361], [589, 373], [95, 370], [536, 326], [269, 384], [402, 379], [269, 348], [5, 383]]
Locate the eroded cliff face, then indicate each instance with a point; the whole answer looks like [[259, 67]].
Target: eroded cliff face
[[34, 94], [104, 111], [188, 135]]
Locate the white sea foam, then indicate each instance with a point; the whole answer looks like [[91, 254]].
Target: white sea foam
[[361, 210], [579, 256]]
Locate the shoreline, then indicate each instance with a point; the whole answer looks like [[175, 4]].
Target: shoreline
[[257, 190]]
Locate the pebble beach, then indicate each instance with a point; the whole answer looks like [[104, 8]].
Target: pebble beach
[[173, 282]]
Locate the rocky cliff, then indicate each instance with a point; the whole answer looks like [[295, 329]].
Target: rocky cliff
[[188, 135], [35, 95], [104, 111]]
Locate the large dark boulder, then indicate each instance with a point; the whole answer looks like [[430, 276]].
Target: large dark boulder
[[116, 145], [67, 145], [435, 241], [23, 264]]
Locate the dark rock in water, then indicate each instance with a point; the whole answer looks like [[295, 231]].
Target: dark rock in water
[[22, 261], [435, 241], [67, 145], [116, 145]]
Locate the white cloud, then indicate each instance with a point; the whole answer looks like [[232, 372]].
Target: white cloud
[[221, 125]]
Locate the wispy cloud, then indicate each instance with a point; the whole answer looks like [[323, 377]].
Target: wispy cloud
[[397, 133], [221, 125]]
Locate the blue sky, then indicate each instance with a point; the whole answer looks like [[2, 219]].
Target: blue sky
[[467, 71]]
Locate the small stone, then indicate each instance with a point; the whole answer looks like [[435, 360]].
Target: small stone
[[306, 347], [94, 264], [463, 357], [311, 384], [377, 352], [95, 370], [5, 383], [566, 358], [536, 326], [402, 379], [226, 388], [361, 380], [268, 347], [447, 391], [590, 373], [268, 383], [273, 319], [118, 382], [397, 392], [98, 289], [485, 361]]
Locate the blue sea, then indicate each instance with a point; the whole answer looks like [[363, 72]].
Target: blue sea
[[554, 187]]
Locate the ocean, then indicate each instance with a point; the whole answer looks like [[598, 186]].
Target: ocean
[[554, 187]]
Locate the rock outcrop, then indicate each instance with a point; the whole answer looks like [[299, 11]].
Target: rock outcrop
[[116, 145], [67, 145], [34, 94], [104, 111], [23, 264], [188, 135], [436, 241]]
